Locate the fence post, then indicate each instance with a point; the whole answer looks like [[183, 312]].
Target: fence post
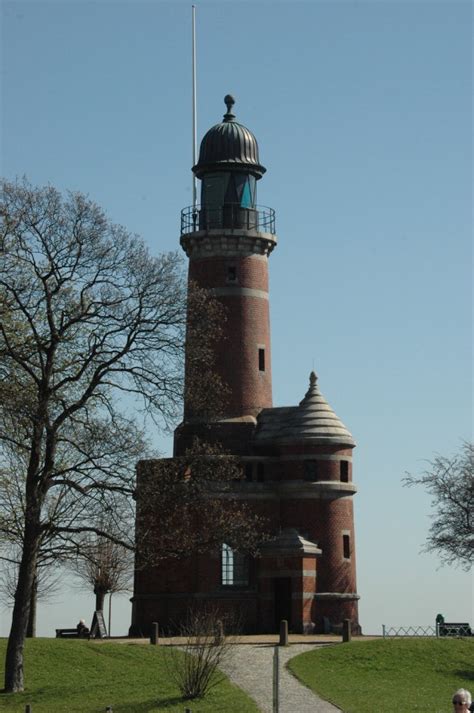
[[276, 676], [383, 630], [346, 630], [283, 633], [154, 633], [219, 635], [28, 708], [437, 629]]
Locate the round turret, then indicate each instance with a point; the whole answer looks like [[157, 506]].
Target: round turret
[[229, 146]]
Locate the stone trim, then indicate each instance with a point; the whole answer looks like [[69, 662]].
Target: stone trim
[[227, 593], [336, 596], [297, 596], [303, 487], [226, 242], [272, 574], [276, 551], [313, 457], [233, 291], [290, 490], [306, 456]]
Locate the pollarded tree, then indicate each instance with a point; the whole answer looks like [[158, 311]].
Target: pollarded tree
[[103, 566], [450, 482], [86, 313]]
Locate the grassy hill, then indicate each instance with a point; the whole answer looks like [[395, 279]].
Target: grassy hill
[[399, 675], [84, 677]]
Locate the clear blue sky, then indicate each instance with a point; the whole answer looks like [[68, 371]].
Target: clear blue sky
[[363, 115]]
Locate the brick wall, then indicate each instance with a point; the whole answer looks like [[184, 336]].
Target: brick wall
[[246, 330]]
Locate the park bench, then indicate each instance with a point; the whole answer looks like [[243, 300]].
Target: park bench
[[447, 628], [71, 634]]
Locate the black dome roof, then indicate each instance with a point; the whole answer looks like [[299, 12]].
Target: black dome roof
[[229, 146]]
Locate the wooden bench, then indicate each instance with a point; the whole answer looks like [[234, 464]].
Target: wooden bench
[[71, 634], [454, 629]]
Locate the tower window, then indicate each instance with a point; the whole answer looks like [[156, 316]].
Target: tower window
[[344, 471], [248, 471], [346, 546], [261, 359], [231, 273], [213, 189], [260, 472], [310, 470], [235, 568]]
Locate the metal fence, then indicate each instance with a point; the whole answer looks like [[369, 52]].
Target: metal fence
[[438, 630]]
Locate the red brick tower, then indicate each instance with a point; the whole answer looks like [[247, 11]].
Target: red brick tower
[[297, 460]]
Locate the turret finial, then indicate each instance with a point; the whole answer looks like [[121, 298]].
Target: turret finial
[[313, 378], [229, 101]]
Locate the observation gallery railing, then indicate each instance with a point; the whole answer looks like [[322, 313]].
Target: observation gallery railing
[[230, 216]]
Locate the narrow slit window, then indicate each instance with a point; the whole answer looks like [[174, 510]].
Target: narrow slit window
[[261, 359], [231, 273], [248, 471], [260, 472], [344, 472], [310, 470], [346, 546]]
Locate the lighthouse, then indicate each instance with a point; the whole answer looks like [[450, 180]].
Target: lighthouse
[[228, 239], [297, 459]]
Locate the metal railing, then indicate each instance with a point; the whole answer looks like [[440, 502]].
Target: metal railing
[[438, 630], [408, 631], [230, 216]]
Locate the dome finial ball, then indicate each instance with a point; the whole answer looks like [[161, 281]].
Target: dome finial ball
[[229, 101]]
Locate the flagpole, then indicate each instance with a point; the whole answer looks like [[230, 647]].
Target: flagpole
[[194, 107]]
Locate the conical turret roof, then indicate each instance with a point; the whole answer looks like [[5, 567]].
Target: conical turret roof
[[312, 420]]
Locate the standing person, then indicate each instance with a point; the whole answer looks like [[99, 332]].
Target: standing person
[[462, 700]]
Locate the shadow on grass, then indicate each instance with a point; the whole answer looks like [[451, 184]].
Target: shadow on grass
[[464, 674], [154, 704]]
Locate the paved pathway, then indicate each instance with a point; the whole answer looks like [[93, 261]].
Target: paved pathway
[[251, 667]]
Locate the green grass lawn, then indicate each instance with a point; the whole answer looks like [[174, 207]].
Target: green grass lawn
[[399, 675], [86, 677]]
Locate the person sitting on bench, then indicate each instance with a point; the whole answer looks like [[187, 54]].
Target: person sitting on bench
[[82, 629]]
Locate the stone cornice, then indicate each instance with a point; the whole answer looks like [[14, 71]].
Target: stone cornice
[[227, 243]]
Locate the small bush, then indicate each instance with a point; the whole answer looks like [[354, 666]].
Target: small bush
[[206, 647]]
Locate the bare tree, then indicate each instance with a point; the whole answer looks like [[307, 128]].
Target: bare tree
[[86, 314], [104, 566], [88, 322], [57, 546], [450, 482], [46, 583]]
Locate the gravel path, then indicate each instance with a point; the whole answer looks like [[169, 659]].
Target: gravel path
[[251, 668]]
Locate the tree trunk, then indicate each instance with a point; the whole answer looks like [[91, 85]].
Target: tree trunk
[[31, 628], [21, 609], [99, 599]]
